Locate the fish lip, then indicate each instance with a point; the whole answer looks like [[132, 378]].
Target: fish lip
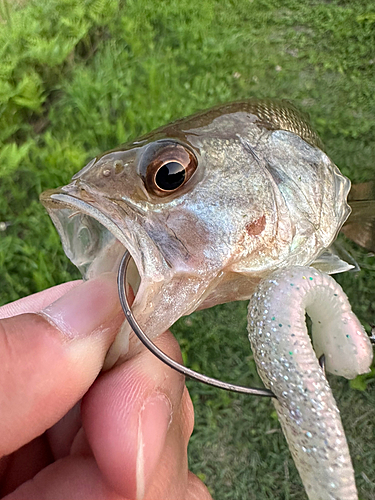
[[56, 200], [69, 201]]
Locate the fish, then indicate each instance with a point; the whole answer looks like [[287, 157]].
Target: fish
[[209, 207]]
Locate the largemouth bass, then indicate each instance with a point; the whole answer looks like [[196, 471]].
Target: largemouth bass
[[207, 206]]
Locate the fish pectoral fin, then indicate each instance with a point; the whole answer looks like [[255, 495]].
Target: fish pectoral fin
[[335, 259]]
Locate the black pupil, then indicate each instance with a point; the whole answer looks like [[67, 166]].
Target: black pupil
[[170, 176]]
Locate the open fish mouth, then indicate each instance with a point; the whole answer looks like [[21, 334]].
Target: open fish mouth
[[91, 240], [95, 240]]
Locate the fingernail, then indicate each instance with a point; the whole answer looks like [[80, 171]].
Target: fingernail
[[154, 422], [85, 308]]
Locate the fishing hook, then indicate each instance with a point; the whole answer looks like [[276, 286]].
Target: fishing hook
[[121, 280]]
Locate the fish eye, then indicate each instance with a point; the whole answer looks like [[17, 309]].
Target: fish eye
[[167, 166], [170, 176]]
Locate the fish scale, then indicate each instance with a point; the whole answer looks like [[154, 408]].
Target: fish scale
[[208, 207]]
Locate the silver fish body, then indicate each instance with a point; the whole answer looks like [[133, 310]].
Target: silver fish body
[[208, 207], [258, 194]]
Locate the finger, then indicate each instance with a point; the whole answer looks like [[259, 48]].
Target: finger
[[169, 479], [132, 418], [196, 490], [78, 478], [63, 433], [73, 478], [49, 360], [25, 463], [38, 301]]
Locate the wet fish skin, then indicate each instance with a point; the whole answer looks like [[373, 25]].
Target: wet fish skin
[[260, 198], [260, 195]]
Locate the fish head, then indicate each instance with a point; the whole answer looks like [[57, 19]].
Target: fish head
[[206, 206]]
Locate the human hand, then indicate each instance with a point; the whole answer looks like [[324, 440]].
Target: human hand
[[65, 435]]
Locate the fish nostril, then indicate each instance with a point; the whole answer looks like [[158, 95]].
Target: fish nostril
[[118, 166]]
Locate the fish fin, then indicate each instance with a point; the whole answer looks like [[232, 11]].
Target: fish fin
[[360, 226], [361, 233], [335, 259]]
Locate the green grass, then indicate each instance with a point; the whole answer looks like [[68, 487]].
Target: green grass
[[78, 77]]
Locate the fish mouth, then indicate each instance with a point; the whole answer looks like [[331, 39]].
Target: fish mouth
[[92, 241], [95, 232]]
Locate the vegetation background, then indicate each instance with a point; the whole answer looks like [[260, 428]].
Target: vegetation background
[[78, 77]]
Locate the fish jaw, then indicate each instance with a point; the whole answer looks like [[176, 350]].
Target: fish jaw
[[289, 367], [257, 197], [95, 234]]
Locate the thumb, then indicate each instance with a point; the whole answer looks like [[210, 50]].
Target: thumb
[[49, 360]]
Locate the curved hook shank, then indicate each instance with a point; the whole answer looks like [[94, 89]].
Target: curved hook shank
[[200, 377], [289, 367]]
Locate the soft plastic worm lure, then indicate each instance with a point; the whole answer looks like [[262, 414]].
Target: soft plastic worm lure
[[289, 367]]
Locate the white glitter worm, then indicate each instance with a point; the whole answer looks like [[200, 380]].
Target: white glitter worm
[[289, 367]]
